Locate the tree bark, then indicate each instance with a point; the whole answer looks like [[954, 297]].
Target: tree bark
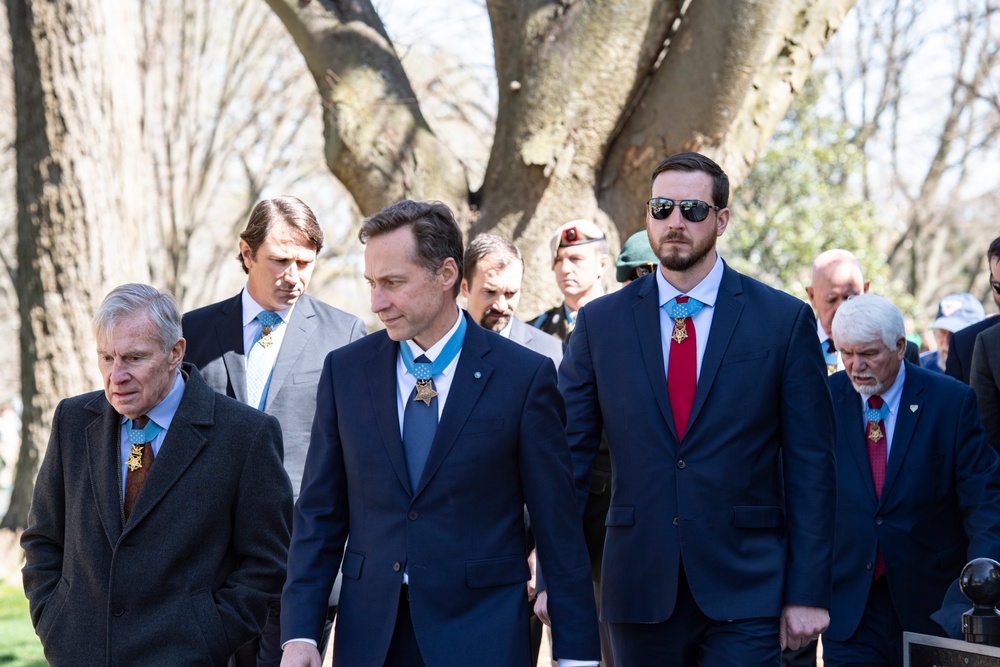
[[378, 143], [79, 186]]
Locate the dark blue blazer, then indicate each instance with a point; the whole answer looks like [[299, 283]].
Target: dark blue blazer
[[500, 445], [939, 507], [961, 345], [746, 501]]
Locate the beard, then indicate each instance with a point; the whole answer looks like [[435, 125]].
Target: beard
[[870, 389], [675, 259], [496, 325]]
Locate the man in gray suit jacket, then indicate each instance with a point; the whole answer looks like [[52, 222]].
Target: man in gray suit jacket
[[278, 370], [159, 525]]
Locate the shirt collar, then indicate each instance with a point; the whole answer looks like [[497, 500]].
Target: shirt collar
[[821, 332], [895, 392], [436, 348], [707, 291], [251, 309]]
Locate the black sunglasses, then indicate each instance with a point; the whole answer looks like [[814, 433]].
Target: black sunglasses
[[643, 270], [693, 210]]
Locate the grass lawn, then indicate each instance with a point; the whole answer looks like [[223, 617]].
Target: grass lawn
[[19, 646]]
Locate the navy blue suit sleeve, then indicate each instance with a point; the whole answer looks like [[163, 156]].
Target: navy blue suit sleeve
[[578, 385], [977, 477], [319, 525], [807, 449]]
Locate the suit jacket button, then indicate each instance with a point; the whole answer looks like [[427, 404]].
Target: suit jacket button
[[118, 610], [396, 567], [681, 464], [412, 515], [676, 522], [878, 521], [868, 566]]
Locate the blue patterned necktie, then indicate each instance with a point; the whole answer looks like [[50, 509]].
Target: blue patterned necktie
[[420, 422], [260, 360]]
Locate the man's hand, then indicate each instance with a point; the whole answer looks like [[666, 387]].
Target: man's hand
[[800, 625], [542, 607], [531, 582], [300, 654]]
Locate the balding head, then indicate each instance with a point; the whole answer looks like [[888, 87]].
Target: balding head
[[836, 277]]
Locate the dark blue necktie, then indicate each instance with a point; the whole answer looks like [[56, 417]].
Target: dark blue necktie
[[419, 425]]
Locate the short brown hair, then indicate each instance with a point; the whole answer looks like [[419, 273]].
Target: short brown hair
[[434, 228], [489, 244], [698, 162], [291, 211]]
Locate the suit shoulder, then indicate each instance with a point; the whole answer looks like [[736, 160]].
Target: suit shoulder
[[937, 383], [332, 313], [763, 293], [93, 401], [199, 314]]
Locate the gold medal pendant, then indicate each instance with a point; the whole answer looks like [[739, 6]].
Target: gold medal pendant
[[134, 460], [265, 337], [831, 369], [680, 333], [874, 432], [425, 392]]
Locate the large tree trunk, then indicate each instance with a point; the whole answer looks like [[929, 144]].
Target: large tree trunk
[[377, 141], [79, 185], [592, 95]]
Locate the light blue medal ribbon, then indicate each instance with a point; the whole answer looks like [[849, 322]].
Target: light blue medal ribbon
[[426, 372], [138, 436], [875, 416], [683, 310]]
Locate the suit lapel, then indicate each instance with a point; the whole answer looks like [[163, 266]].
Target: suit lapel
[[646, 311], [180, 446], [520, 332], [229, 329], [728, 308], [902, 433], [471, 375], [300, 328], [103, 436], [382, 388], [851, 424]]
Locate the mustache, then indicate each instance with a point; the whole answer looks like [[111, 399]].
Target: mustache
[[676, 235], [494, 311]]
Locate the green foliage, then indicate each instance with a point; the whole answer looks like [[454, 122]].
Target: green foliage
[[804, 196], [19, 647]]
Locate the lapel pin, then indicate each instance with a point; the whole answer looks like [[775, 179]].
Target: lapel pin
[[913, 408], [477, 375]]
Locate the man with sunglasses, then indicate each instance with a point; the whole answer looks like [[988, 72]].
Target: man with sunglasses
[[713, 395], [636, 259], [579, 260], [959, 362]]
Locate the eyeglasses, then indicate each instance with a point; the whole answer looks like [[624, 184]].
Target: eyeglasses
[[643, 270], [693, 210]]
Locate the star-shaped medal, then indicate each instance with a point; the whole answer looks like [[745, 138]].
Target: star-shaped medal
[[134, 460], [680, 333], [874, 432], [265, 336], [425, 392]]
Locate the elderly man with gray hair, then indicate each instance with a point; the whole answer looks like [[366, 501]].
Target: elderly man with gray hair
[[917, 489], [159, 525]]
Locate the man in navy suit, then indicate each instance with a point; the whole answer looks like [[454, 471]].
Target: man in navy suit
[[963, 342], [917, 489], [226, 341], [712, 392], [429, 440]]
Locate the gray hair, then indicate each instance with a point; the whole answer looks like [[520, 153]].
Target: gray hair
[[865, 318], [135, 298], [489, 244]]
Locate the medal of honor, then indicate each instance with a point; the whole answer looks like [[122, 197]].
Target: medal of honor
[[425, 392], [265, 336], [134, 460], [680, 333], [831, 369], [874, 432]]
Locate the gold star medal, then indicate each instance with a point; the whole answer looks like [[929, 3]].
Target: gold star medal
[[831, 369], [425, 392], [874, 432], [680, 333], [134, 460], [265, 336]]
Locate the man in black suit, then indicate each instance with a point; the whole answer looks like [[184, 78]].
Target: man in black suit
[[159, 524], [226, 341], [959, 363]]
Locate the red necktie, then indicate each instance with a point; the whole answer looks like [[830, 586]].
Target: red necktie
[[876, 436], [682, 370], [139, 462]]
